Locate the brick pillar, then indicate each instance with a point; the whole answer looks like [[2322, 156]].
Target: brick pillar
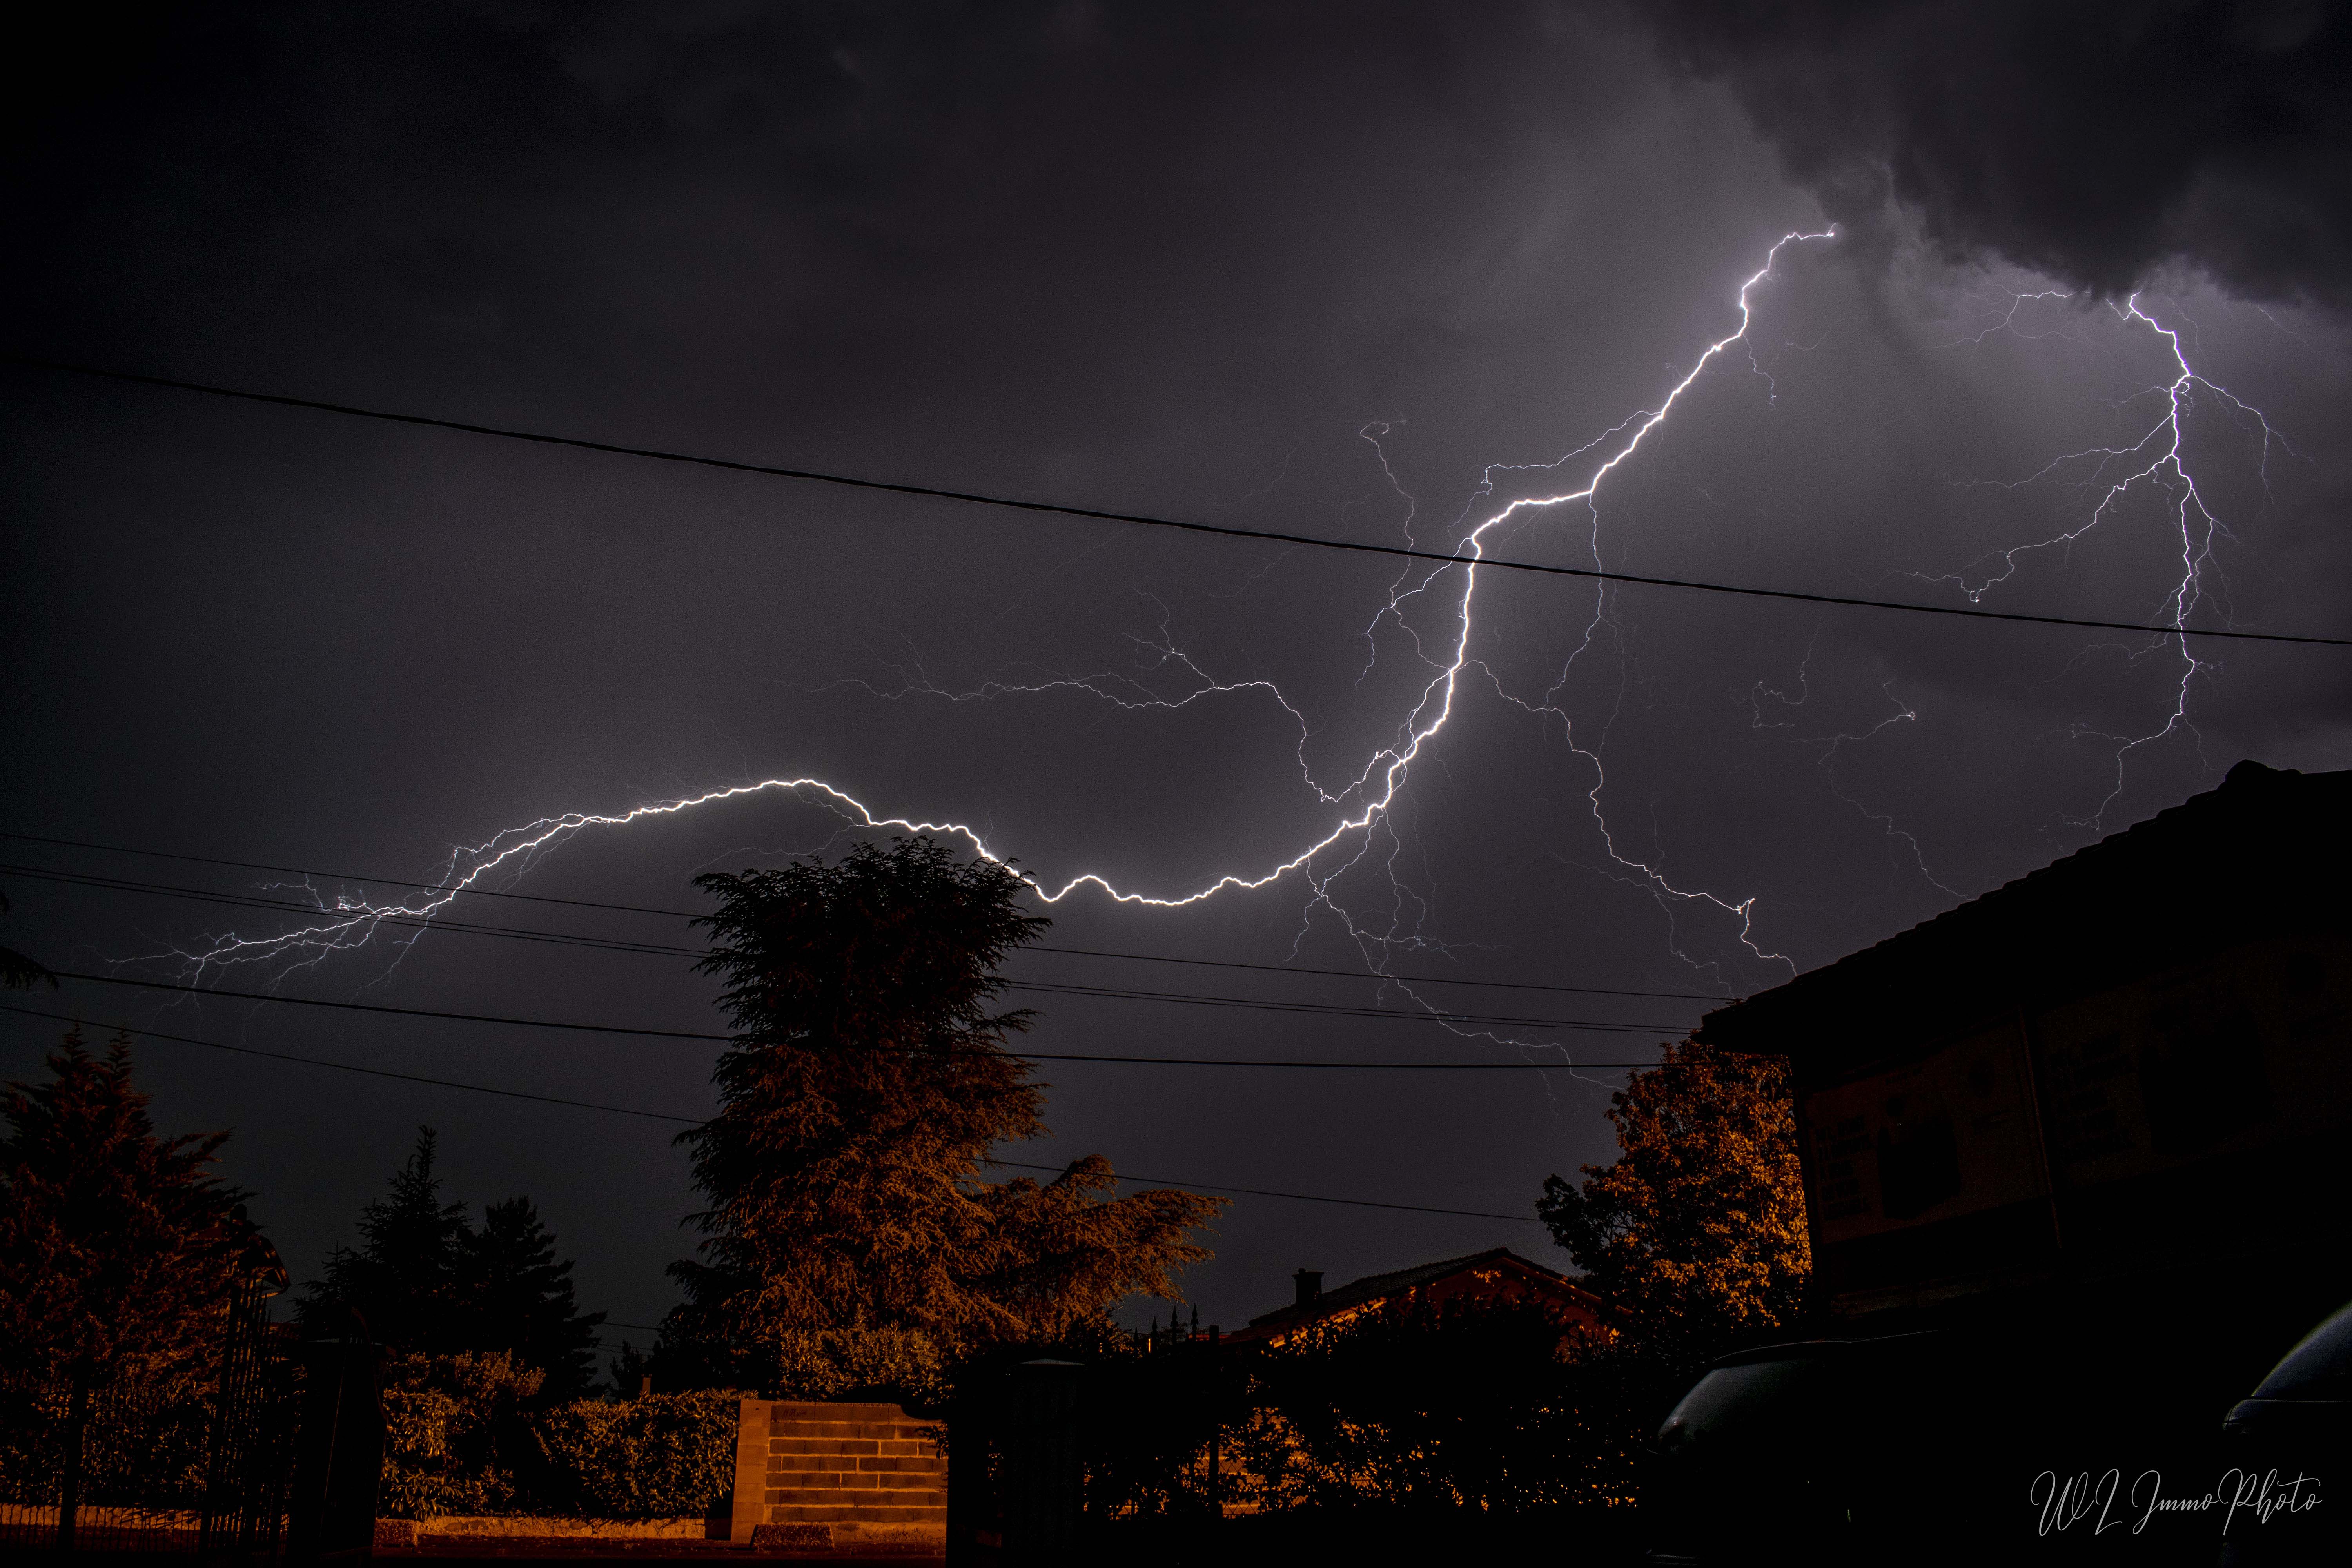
[[811, 1475]]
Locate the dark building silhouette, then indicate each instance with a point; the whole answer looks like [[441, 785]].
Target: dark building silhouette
[[2134, 1061], [1496, 1275], [2075, 1176]]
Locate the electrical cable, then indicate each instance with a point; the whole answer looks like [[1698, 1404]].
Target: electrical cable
[[1123, 993], [690, 915], [690, 1121], [369, 1072], [1143, 519], [381, 1007]]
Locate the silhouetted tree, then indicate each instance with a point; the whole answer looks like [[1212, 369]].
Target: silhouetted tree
[[402, 1277], [427, 1283], [1696, 1235], [848, 1241], [19, 972], [516, 1295], [117, 1247]]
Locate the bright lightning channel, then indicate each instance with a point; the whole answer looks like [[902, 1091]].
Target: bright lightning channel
[[2155, 461], [347, 922]]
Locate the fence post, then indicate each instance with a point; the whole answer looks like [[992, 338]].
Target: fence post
[[77, 1426], [1216, 1423], [1045, 1485], [340, 1464]]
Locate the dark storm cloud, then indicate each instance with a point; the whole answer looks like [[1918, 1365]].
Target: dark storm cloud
[[797, 211], [2091, 141]]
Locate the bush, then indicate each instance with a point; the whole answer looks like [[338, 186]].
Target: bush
[[660, 1456], [461, 1437], [1499, 1409], [455, 1433]]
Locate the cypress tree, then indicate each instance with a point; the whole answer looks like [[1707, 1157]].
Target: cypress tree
[[848, 1242]]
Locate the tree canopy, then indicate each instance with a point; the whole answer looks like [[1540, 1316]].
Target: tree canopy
[[427, 1281], [1696, 1235], [116, 1245], [849, 1242]]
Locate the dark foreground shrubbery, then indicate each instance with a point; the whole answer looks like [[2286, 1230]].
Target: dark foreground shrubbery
[[1489, 1410], [464, 1436]]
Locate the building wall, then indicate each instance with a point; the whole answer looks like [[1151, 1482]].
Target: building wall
[[2014, 1137]]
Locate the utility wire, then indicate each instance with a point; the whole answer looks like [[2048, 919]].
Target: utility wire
[[732, 1039], [1121, 994], [690, 915], [1144, 520], [1303, 1197], [697, 1121], [369, 1072]]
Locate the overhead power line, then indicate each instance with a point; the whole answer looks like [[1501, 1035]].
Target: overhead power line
[[1302, 1197], [1144, 520], [1119, 994], [697, 1121], [369, 1072], [690, 915], [511, 1022]]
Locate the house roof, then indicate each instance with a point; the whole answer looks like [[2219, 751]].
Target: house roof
[[2266, 852], [1373, 1287]]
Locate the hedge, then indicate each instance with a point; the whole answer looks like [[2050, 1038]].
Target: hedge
[[462, 1436]]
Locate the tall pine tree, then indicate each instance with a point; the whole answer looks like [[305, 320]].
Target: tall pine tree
[[427, 1282], [515, 1294], [849, 1242], [402, 1278], [116, 1246]]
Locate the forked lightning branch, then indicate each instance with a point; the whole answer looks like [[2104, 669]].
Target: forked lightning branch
[[1360, 803]]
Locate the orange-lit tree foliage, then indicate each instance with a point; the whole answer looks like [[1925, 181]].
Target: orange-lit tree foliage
[[117, 1247], [849, 1243], [1696, 1235]]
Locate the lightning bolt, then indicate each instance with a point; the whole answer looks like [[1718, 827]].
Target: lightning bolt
[[2153, 462], [1365, 802]]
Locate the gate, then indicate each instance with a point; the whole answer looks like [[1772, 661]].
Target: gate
[[158, 1462]]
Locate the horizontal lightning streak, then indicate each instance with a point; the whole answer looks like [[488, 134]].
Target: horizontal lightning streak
[[690, 915], [668, 950], [352, 925]]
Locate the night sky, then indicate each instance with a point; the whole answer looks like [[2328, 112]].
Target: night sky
[[1304, 269]]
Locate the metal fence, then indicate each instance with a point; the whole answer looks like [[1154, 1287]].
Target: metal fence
[[171, 1460]]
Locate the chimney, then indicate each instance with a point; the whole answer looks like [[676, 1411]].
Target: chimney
[[1309, 1285]]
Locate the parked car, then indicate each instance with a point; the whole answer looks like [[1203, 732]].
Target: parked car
[[1819, 1451], [2288, 1451]]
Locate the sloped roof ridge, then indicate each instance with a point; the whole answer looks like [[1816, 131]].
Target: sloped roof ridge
[[1374, 1284], [1396, 1279], [2193, 812]]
